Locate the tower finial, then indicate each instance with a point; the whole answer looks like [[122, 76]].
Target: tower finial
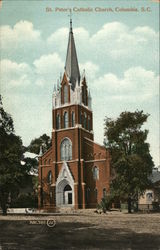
[[70, 15]]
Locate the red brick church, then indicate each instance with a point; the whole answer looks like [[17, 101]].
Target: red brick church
[[75, 171]]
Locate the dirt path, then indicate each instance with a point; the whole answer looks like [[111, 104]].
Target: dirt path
[[85, 230]]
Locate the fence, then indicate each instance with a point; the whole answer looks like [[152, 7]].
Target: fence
[[154, 207]]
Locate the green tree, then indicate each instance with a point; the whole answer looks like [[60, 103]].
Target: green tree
[[130, 157], [44, 141], [11, 152]]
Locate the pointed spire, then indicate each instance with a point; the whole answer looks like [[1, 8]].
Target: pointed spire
[[71, 66], [54, 88], [58, 85]]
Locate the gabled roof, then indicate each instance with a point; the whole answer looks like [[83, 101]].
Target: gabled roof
[[71, 65]]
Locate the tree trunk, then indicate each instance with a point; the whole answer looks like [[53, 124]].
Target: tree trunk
[[129, 205], [3, 202], [4, 209]]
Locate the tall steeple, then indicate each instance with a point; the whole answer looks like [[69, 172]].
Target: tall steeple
[[71, 66]]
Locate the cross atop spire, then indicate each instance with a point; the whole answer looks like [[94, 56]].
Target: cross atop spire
[[70, 20], [71, 65]]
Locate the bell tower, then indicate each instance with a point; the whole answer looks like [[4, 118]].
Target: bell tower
[[71, 98], [66, 170], [72, 118]]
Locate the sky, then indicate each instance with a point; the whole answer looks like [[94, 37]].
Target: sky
[[118, 50]]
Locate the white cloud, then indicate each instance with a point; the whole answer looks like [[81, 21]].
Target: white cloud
[[22, 32], [58, 40], [137, 84], [113, 44], [47, 68], [90, 68], [44, 71], [119, 41], [113, 41], [13, 74], [48, 64]]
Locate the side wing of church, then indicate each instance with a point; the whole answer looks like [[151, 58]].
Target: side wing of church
[[75, 171]]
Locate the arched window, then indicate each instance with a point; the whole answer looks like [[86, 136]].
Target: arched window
[[65, 93], [66, 150], [49, 177], [67, 188], [65, 119], [149, 197], [73, 119], [96, 173], [58, 122], [104, 192], [85, 120], [80, 121]]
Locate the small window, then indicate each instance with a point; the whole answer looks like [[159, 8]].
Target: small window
[[80, 118], [149, 197], [65, 119], [49, 177], [49, 161], [58, 122], [85, 121], [65, 93], [73, 119], [96, 173], [45, 162]]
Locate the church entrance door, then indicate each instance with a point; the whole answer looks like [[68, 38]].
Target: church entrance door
[[67, 195]]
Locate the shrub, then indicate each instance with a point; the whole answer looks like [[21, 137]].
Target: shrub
[[24, 201], [156, 206], [105, 204]]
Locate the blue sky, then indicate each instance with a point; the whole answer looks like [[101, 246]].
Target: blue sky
[[119, 51]]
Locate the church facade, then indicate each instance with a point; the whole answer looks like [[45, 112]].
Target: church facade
[[75, 171]]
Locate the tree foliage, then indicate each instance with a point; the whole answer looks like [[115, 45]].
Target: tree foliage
[[11, 152], [43, 141], [130, 157]]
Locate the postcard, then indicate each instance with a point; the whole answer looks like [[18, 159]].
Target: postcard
[[67, 66]]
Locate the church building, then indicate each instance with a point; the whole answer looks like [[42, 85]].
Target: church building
[[75, 171]]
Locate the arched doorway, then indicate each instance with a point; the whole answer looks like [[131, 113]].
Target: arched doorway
[[64, 194], [67, 194], [65, 188]]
